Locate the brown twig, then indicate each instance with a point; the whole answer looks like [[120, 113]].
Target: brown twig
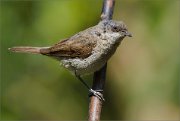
[[95, 104]]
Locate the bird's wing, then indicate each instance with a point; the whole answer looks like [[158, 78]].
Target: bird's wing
[[79, 46]]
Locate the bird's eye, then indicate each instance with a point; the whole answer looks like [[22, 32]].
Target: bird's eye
[[115, 29]]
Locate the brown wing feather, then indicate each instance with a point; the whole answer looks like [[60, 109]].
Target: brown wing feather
[[77, 47]]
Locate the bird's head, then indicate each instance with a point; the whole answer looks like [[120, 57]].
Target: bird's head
[[117, 28]]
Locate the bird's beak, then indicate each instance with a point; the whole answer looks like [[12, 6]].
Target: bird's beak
[[128, 34]]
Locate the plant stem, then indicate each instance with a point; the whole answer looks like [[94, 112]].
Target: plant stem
[[95, 104]]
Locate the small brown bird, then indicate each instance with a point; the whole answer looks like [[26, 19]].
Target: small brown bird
[[86, 51]]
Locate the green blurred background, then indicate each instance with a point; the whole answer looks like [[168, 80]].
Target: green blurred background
[[142, 77]]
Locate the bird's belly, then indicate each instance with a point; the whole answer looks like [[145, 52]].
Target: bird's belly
[[84, 66], [90, 64]]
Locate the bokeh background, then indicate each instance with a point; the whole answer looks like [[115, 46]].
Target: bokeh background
[[143, 77]]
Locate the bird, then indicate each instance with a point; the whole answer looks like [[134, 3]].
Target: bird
[[85, 52]]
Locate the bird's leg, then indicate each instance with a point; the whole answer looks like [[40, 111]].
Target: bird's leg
[[92, 92]]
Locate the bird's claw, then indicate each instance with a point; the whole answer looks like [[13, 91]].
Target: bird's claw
[[97, 94]]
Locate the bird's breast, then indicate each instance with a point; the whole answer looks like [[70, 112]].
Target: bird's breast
[[99, 56]]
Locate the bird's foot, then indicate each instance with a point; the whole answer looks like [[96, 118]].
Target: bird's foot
[[96, 93]]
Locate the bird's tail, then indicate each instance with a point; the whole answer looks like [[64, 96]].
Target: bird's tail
[[33, 50]]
